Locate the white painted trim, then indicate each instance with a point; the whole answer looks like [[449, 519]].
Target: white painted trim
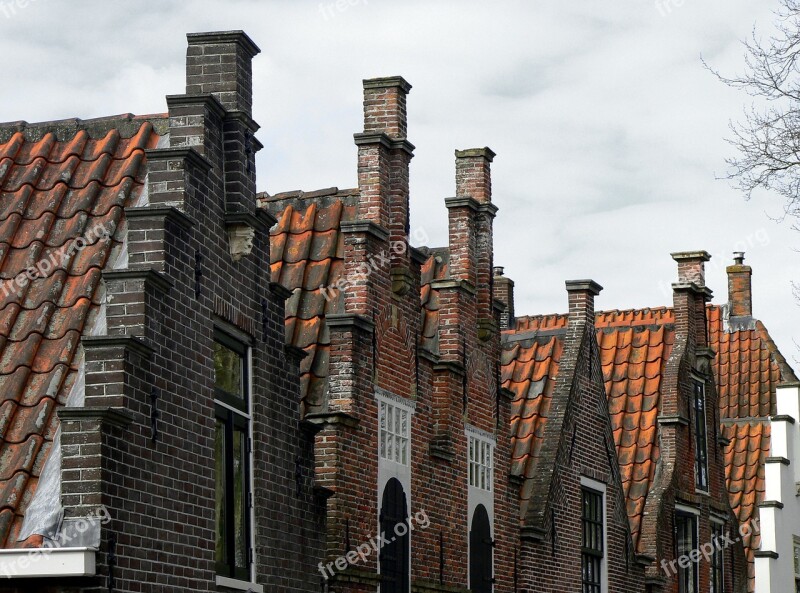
[[47, 562], [388, 469], [239, 585], [396, 400], [682, 508], [252, 472], [600, 487]]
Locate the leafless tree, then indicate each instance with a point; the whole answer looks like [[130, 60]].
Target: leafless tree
[[767, 138]]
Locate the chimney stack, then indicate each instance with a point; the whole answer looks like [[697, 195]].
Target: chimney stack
[[740, 293], [504, 292], [581, 301], [384, 155], [221, 64], [690, 295], [471, 214]]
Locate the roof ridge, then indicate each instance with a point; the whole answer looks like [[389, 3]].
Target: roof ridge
[[64, 129], [299, 194]]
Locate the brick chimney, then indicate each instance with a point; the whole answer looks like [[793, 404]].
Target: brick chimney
[[690, 296], [219, 64], [740, 293], [471, 213], [581, 301], [384, 154], [504, 292]]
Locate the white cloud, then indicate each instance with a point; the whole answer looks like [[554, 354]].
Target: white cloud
[[609, 133]]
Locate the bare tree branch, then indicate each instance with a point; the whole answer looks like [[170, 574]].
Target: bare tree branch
[[767, 138]]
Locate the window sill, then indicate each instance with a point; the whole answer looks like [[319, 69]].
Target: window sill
[[47, 562], [239, 585]]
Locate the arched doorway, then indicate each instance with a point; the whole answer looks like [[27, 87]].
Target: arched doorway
[[480, 552], [394, 556]]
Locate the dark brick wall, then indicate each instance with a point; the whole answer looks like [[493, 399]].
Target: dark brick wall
[[675, 476], [582, 446], [162, 311]]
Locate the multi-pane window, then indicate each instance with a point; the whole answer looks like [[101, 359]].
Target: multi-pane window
[[395, 432], [232, 458], [686, 543], [718, 557], [481, 464], [797, 564], [593, 544], [700, 437]]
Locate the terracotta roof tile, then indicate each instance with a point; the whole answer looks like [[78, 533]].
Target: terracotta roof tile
[[51, 193], [744, 473], [306, 250], [634, 348]]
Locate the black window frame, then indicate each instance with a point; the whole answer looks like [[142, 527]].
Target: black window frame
[[689, 576], [718, 529], [233, 413], [593, 545], [700, 410]]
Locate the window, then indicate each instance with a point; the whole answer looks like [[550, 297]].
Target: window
[[481, 464], [395, 432], [593, 544], [718, 557], [700, 437], [395, 556], [686, 543], [797, 564], [481, 576], [232, 458]]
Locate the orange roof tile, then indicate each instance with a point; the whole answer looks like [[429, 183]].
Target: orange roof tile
[[307, 258], [57, 181], [634, 348], [744, 474]]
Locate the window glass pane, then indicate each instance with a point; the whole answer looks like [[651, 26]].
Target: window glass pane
[[227, 370], [240, 494], [219, 508]]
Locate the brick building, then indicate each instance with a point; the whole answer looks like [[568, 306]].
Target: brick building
[[192, 402], [401, 376], [148, 396], [575, 534], [656, 365], [758, 399]]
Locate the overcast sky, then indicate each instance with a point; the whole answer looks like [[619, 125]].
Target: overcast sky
[[608, 131]]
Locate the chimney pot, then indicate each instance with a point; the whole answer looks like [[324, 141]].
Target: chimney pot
[[498, 271]]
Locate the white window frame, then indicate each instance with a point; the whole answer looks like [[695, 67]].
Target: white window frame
[[721, 524], [475, 494], [600, 487], [796, 561], [694, 512], [388, 468]]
